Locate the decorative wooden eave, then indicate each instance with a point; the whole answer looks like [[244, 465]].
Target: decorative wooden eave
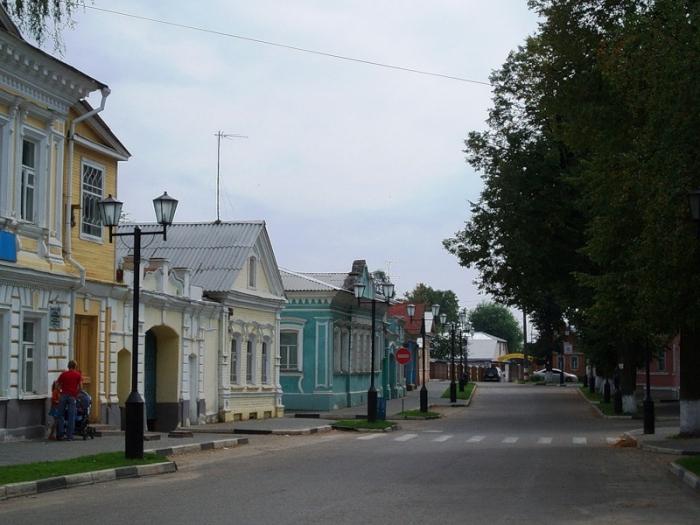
[[31, 73]]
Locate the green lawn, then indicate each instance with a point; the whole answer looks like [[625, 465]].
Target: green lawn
[[605, 408], [50, 469], [418, 414], [356, 424], [691, 463], [460, 395]]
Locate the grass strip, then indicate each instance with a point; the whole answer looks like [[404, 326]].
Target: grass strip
[[691, 463], [380, 424], [418, 414], [605, 408], [50, 469], [460, 395]]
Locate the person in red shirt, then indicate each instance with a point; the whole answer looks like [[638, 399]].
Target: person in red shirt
[[70, 382]]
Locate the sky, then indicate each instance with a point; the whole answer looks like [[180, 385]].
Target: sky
[[342, 160]]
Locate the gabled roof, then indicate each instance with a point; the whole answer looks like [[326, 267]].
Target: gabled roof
[[310, 282], [100, 127], [214, 252], [335, 279]]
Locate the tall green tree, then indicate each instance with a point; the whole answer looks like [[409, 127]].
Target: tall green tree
[[498, 320], [447, 299]]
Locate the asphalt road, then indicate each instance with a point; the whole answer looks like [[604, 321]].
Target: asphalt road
[[518, 454]]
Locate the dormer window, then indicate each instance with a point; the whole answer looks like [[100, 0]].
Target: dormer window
[[252, 270]]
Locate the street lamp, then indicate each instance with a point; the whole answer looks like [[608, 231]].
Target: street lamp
[[411, 310], [463, 326], [388, 293], [110, 213], [453, 385]]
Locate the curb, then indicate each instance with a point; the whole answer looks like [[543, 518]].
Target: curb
[[28, 488], [392, 428], [469, 401], [658, 449], [687, 477], [197, 447], [285, 432], [594, 404]]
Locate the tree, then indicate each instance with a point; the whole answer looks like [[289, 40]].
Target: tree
[[43, 19], [496, 319], [447, 299]]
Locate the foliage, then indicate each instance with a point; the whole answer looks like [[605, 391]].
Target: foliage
[[43, 19], [692, 464], [447, 299], [64, 467], [417, 414], [496, 319], [360, 424], [468, 388]]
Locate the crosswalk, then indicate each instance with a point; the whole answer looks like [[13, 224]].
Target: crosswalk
[[499, 440]]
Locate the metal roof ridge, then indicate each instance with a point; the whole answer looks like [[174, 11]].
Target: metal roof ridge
[[311, 279]]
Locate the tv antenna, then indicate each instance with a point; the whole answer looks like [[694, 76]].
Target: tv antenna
[[221, 135]]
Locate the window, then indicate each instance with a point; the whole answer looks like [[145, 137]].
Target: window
[[92, 187], [574, 362], [249, 362], [661, 367], [28, 355], [288, 351], [264, 362], [28, 181], [233, 372], [251, 272]]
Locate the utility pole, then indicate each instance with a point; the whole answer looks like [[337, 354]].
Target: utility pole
[[221, 135]]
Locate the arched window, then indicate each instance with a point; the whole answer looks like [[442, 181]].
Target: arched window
[[252, 270], [233, 372], [249, 360], [264, 362]]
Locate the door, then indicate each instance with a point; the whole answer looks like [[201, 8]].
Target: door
[[150, 386], [86, 357]]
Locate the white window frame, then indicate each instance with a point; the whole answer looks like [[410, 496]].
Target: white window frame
[[39, 356], [85, 163], [6, 186], [574, 360], [234, 373], [42, 176], [5, 316], [250, 361], [284, 366], [34, 171], [265, 364]]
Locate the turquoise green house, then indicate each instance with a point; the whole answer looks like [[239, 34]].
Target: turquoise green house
[[325, 342]]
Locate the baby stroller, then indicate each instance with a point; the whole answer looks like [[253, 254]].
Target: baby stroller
[[83, 404]]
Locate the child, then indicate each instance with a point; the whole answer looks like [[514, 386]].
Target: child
[[54, 412]]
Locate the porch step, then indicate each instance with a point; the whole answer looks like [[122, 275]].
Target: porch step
[[151, 436], [180, 434]]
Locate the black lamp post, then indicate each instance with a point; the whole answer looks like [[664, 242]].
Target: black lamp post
[[388, 292], [649, 424], [110, 213], [411, 310], [463, 329], [453, 385]]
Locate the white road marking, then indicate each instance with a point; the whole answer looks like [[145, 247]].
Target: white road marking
[[475, 439], [372, 436], [579, 440], [442, 439], [510, 440], [544, 441], [405, 437]]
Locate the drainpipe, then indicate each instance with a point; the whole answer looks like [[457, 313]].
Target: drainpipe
[[68, 200]]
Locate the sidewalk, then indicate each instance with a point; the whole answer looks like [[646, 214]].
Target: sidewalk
[[665, 442]]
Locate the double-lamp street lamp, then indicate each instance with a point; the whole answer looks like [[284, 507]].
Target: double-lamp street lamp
[[388, 293], [110, 212], [465, 332], [453, 326], [426, 325]]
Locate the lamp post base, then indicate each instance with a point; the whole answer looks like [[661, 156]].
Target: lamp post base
[[617, 401], [423, 399], [372, 405], [649, 416], [453, 392], [606, 392], [133, 439]]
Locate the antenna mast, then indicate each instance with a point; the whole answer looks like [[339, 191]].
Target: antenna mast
[[221, 135]]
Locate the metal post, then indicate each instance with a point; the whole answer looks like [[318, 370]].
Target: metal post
[[617, 397], [649, 424], [526, 370], [606, 391], [133, 442], [423, 389], [461, 355], [453, 385], [372, 393]]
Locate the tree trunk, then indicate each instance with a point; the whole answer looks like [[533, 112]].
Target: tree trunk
[[628, 380], [690, 386]]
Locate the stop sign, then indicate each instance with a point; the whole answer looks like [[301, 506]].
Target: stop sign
[[403, 356]]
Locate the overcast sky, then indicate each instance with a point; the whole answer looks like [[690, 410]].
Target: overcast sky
[[344, 160]]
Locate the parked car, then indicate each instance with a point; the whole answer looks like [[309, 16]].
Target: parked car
[[541, 375], [492, 374]]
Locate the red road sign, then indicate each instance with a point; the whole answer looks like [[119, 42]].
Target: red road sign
[[403, 356]]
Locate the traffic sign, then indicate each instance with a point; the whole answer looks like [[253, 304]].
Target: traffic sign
[[403, 356]]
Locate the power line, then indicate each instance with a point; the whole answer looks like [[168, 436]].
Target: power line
[[287, 46]]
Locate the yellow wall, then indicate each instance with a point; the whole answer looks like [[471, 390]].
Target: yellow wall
[[97, 257]]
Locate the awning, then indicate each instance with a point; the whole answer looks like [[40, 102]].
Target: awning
[[508, 357]]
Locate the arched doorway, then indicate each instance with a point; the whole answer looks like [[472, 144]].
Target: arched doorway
[[161, 378]]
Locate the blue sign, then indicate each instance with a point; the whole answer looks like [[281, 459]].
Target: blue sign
[[8, 246]]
